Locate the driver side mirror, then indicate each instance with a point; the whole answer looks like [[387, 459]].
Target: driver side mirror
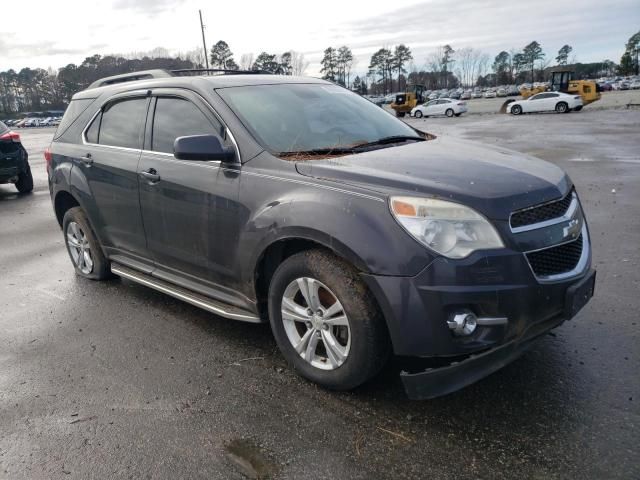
[[202, 148]]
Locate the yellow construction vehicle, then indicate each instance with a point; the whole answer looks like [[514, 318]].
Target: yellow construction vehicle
[[404, 102], [563, 81]]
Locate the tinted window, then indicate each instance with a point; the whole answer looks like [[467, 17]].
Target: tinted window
[[74, 110], [121, 124], [175, 117], [93, 130]]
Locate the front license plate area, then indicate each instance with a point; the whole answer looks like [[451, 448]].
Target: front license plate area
[[579, 294]]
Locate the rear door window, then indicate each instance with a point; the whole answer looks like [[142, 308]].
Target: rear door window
[[121, 123], [175, 117]]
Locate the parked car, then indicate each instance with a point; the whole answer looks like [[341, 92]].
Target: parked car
[[433, 96], [624, 86], [442, 106], [635, 85], [476, 94], [605, 87], [14, 161], [501, 92], [546, 102], [513, 91], [455, 95], [32, 122], [489, 94], [447, 249], [465, 95]]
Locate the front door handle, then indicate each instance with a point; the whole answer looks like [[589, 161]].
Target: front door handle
[[87, 159], [151, 175]]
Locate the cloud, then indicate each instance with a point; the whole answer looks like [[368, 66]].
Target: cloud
[[148, 7]]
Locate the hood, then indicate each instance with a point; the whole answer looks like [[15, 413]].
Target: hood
[[493, 181]]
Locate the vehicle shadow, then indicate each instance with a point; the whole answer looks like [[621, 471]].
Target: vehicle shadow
[[9, 192]]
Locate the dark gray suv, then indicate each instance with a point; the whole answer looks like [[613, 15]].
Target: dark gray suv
[[297, 202]]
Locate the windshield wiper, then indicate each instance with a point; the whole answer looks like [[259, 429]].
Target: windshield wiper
[[341, 150], [387, 140], [318, 151]]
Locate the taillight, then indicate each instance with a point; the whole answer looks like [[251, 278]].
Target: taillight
[[10, 135], [48, 157], [461, 103]]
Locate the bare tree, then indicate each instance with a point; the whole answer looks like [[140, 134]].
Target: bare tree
[[298, 63], [246, 61]]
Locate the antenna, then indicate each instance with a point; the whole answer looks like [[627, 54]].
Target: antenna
[[204, 43]]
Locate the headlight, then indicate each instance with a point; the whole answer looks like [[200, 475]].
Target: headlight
[[448, 228]]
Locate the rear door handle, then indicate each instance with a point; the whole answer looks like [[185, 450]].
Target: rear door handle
[[87, 159], [151, 175]]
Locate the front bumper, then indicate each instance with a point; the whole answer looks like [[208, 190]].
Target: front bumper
[[435, 382], [497, 284]]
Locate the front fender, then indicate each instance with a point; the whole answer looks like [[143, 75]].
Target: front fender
[[356, 226]]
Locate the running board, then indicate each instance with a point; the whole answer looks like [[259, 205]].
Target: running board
[[185, 295]]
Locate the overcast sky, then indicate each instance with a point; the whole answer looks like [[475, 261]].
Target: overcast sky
[[48, 33]]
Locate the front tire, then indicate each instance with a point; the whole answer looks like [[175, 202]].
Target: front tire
[[516, 110], [83, 247], [449, 112], [418, 114], [326, 322], [25, 181]]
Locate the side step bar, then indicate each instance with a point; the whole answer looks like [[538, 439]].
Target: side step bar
[[185, 295]]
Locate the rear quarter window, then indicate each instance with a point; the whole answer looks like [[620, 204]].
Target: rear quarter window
[[74, 110], [3, 128]]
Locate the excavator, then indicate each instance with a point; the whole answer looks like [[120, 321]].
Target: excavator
[[404, 102], [563, 81]]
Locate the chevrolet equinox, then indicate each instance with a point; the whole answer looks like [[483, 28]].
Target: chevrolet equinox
[[294, 201]]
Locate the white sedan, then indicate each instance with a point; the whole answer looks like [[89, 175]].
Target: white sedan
[[546, 102], [441, 106]]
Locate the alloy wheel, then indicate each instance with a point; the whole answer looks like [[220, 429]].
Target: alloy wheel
[[79, 248], [316, 323]]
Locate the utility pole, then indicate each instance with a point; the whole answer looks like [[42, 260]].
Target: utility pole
[[204, 43]]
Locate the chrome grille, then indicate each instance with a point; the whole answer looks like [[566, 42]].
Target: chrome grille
[[541, 213]]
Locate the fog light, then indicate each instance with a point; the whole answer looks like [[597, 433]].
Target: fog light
[[463, 324]]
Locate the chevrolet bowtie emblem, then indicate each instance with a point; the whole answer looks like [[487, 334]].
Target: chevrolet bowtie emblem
[[572, 229]]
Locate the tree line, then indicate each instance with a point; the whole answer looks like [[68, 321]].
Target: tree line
[[32, 90], [390, 69]]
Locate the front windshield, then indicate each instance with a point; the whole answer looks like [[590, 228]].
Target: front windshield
[[287, 118]]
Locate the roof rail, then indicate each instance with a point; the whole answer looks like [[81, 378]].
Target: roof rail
[[130, 77], [159, 73], [223, 71]]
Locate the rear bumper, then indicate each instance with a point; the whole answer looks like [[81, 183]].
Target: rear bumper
[[12, 164]]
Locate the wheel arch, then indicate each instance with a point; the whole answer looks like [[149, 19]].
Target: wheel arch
[[62, 202], [279, 249]]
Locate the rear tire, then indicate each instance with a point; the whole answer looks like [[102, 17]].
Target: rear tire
[[516, 110], [352, 346], [418, 114], [449, 112], [562, 107], [25, 181], [83, 247]]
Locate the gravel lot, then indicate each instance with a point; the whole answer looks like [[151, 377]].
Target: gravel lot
[[114, 380]]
